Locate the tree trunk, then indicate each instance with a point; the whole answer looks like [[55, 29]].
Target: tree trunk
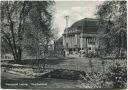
[[17, 55]]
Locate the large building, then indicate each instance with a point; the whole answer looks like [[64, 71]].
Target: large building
[[81, 36], [58, 47]]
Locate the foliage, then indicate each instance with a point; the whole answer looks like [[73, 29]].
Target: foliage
[[113, 40], [118, 75], [12, 20], [113, 23], [92, 80], [25, 24], [112, 75], [40, 34]]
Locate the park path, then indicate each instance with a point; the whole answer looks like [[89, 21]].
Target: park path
[[10, 78], [9, 75]]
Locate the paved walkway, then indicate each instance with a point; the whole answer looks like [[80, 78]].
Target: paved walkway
[[36, 83]]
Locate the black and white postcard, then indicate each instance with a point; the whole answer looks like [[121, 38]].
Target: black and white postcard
[[63, 44]]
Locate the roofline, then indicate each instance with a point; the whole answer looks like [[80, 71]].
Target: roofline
[[84, 19]]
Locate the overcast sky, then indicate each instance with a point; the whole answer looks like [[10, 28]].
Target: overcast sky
[[75, 9]]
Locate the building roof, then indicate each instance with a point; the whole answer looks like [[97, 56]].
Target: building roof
[[69, 28], [88, 25], [86, 22], [59, 40]]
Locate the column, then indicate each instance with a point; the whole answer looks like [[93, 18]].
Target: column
[[64, 41], [82, 41], [84, 44]]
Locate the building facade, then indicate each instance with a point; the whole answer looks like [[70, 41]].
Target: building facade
[[81, 36], [58, 47]]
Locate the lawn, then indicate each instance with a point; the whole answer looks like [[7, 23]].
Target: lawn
[[34, 69]]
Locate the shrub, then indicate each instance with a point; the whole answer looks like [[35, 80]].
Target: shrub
[[93, 80], [118, 75]]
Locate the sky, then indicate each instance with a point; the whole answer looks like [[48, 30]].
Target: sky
[[76, 10]]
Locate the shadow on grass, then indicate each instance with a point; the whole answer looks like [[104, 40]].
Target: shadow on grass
[[64, 74], [51, 61]]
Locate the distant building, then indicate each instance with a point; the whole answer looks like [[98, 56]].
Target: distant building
[[58, 47], [81, 36], [58, 44]]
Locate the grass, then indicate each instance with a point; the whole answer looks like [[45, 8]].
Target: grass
[[81, 64], [71, 64]]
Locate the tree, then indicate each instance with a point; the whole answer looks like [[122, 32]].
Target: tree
[[113, 22], [40, 34], [41, 31], [14, 17], [113, 29]]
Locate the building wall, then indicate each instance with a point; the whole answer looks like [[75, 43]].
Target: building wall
[[81, 41], [82, 35]]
